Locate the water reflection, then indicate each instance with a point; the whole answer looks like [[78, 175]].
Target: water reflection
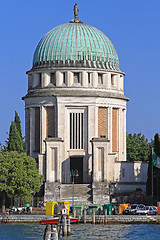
[[83, 232]]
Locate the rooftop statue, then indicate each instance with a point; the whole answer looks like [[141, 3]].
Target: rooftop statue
[[76, 18]]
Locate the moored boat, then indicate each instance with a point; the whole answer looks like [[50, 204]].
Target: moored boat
[[55, 221]]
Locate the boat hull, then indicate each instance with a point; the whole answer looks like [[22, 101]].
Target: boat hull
[[55, 221]]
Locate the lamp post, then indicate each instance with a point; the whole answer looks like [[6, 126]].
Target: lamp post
[[59, 188], [74, 173]]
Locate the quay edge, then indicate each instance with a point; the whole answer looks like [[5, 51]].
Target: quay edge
[[99, 219]]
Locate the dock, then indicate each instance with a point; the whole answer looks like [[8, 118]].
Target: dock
[[99, 219]]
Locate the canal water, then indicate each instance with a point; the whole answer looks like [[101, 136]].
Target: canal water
[[83, 232]]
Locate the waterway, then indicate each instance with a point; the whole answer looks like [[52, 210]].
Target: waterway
[[83, 232]]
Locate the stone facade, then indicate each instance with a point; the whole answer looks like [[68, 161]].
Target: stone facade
[[75, 118]]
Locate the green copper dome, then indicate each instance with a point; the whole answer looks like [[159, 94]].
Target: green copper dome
[[76, 44]]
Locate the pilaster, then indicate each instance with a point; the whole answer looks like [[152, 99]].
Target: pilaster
[[42, 129], [32, 130], [59, 78], [45, 79], [120, 134], [84, 79], [103, 144], [108, 80], [124, 132], [95, 79], [69, 78]]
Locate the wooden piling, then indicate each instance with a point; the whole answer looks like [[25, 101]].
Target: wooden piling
[[68, 226], [47, 232], [93, 216], [54, 233], [59, 225], [74, 212], [84, 216], [64, 226], [105, 217]]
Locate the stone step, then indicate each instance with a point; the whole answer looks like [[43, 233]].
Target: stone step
[[82, 193]]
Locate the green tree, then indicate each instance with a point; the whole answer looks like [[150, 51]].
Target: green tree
[[18, 124], [18, 175], [149, 172], [157, 144], [138, 148], [15, 142]]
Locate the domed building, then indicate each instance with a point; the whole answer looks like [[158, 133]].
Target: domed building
[[75, 114]]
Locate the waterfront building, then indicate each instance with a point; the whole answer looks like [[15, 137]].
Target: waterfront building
[[75, 115]]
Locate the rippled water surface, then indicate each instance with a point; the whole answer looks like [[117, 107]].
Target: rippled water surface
[[83, 232]]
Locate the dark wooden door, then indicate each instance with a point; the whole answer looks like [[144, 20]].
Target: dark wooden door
[[77, 163]]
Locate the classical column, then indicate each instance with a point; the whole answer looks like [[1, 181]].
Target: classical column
[[84, 79], [27, 131], [124, 133], [45, 79], [105, 163], [99, 143], [120, 133], [95, 79], [42, 129], [108, 81], [32, 130], [105, 78], [69, 78], [59, 78]]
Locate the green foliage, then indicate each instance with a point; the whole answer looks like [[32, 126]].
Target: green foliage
[[137, 196], [18, 123], [15, 140], [138, 148], [157, 144], [18, 174]]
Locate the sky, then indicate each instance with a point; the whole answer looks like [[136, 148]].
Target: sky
[[133, 26]]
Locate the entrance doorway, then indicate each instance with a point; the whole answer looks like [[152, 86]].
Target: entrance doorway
[[77, 163]]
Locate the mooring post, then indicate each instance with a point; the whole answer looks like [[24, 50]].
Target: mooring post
[[47, 232], [54, 233], [59, 225], [105, 217], [74, 212], [64, 226], [93, 216], [68, 226], [84, 216]]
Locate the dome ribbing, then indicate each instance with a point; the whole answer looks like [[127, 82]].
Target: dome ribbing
[[76, 44]]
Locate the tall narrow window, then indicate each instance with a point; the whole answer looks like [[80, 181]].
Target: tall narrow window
[[50, 122], [37, 129], [40, 80], [76, 77], [64, 77], [100, 78], [53, 78], [76, 130], [89, 78]]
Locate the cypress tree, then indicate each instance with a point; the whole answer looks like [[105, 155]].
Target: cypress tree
[[15, 142], [156, 147], [157, 144], [18, 123]]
